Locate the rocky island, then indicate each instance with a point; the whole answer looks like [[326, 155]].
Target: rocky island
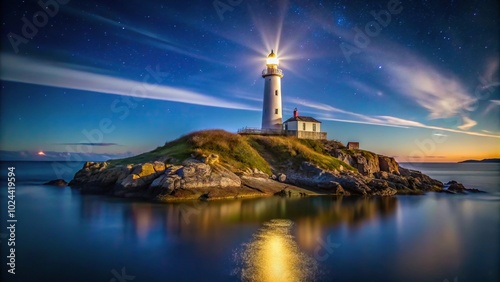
[[215, 164]]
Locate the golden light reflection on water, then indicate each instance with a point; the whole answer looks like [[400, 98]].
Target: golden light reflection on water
[[273, 255]]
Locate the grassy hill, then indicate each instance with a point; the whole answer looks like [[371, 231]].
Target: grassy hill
[[241, 152]]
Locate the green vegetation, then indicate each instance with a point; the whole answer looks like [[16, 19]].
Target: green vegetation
[[282, 152], [367, 154], [231, 148], [242, 152], [178, 149]]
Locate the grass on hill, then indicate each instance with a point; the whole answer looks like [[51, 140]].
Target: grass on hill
[[367, 154], [242, 152], [231, 148], [284, 151]]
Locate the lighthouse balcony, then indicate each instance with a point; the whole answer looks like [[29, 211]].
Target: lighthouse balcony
[[259, 131], [272, 71]]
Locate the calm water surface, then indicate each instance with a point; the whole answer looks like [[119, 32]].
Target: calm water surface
[[62, 235]]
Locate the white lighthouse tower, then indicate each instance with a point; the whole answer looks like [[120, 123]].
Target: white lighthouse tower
[[272, 118]]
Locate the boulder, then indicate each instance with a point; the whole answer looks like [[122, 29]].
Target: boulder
[[141, 176], [159, 167], [211, 159], [193, 175], [132, 182], [282, 177], [365, 162], [454, 186], [311, 175], [388, 164], [110, 176], [99, 175]]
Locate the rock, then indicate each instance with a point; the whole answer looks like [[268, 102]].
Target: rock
[[211, 159], [192, 170], [165, 184], [159, 167], [141, 176], [406, 181], [333, 187], [404, 172], [365, 162], [209, 176], [381, 175], [57, 182], [132, 181], [310, 169], [338, 190], [455, 187], [99, 175], [473, 190], [193, 175], [388, 164], [311, 175], [111, 176], [282, 177], [281, 193]]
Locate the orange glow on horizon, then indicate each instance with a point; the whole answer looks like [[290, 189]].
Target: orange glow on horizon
[[41, 153]]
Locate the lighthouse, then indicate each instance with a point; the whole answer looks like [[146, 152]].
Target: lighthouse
[[272, 118]]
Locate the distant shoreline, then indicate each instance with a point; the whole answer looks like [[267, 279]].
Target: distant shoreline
[[494, 161]]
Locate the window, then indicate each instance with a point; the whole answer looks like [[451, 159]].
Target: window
[[275, 111], [304, 126], [276, 92], [314, 127]]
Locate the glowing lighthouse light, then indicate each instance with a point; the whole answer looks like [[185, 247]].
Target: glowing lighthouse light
[[271, 109], [272, 59]]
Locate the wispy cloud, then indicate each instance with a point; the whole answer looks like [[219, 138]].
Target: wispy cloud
[[491, 106], [327, 111], [408, 74], [468, 123], [441, 94], [32, 71], [490, 74]]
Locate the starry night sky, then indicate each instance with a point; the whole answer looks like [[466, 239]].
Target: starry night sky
[[422, 86]]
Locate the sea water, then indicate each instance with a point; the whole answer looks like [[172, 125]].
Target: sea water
[[63, 235]]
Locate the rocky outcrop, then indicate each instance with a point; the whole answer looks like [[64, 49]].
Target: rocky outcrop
[[152, 179], [388, 164], [345, 182], [367, 163], [57, 182], [454, 187], [295, 166]]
